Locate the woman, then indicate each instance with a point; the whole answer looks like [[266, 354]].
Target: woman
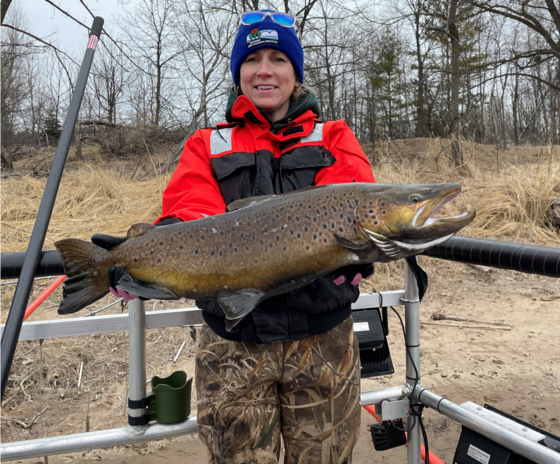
[[291, 368]]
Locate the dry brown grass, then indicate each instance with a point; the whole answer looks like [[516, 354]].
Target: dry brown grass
[[95, 197]]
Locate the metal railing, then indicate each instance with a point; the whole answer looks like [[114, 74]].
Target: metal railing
[[138, 320]]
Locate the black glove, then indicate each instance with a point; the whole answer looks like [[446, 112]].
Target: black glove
[[107, 241], [110, 241], [352, 274], [115, 274]]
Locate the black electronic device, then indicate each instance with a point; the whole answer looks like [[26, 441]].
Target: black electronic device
[[474, 448], [388, 434], [374, 350]]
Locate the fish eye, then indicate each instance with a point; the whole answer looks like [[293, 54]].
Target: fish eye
[[415, 198]]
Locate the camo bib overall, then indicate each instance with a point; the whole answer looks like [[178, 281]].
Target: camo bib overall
[[307, 391]]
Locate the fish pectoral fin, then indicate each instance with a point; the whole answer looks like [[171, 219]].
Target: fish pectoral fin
[[137, 230], [145, 290], [351, 245], [237, 305]]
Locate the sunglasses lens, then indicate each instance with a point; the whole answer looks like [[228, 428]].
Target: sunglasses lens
[[252, 17], [284, 19]]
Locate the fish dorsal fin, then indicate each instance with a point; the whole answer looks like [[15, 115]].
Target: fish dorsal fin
[[237, 305], [250, 201], [137, 230]]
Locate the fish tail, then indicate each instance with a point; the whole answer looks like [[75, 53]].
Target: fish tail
[[86, 283]]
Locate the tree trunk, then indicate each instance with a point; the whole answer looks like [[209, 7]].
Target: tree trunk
[[78, 139], [420, 118], [515, 110], [455, 129]]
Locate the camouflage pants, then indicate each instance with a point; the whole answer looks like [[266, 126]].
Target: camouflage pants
[[249, 395]]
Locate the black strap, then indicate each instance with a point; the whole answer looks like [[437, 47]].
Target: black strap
[[142, 420], [420, 274], [138, 404]]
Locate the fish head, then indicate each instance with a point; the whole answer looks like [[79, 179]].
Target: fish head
[[400, 219]]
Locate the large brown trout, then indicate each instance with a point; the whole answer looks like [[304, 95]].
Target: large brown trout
[[264, 246]]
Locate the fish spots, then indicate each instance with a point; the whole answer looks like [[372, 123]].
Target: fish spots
[[314, 237], [325, 226], [196, 251], [297, 218], [307, 248], [221, 253], [153, 240], [181, 247], [298, 236], [290, 217], [160, 260], [349, 219], [277, 238], [383, 212], [306, 229], [212, 253], [284, 249]]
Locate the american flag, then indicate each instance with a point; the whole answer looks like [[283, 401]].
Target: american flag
[[92, 42]]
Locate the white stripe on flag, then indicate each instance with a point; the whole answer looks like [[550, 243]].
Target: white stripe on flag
[[92, 42]]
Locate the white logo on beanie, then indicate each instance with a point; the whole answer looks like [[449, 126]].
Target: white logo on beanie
[[266, 36]]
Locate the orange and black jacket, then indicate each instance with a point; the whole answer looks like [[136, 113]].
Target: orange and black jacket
[[250, 156]]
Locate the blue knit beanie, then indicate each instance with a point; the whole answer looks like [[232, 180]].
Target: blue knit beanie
[[266, 34]]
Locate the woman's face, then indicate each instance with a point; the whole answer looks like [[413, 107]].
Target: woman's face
[[267, 78]]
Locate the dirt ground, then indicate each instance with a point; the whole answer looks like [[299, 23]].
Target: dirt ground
[[516, 370]]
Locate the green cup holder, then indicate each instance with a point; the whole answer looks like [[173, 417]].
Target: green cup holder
[[170, 399]]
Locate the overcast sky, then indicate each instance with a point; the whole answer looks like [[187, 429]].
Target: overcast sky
[[69, 36]]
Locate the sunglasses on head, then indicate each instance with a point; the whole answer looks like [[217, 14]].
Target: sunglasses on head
[[283, 19]]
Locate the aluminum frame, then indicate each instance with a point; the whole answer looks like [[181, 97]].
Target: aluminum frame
[[137, 321]]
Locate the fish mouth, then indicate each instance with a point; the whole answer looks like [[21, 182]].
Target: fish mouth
[[421, 220]]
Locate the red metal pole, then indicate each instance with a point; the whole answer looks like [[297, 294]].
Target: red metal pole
[[43, 296]]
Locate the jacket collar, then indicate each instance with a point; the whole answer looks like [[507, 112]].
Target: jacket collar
[[303, 111]]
